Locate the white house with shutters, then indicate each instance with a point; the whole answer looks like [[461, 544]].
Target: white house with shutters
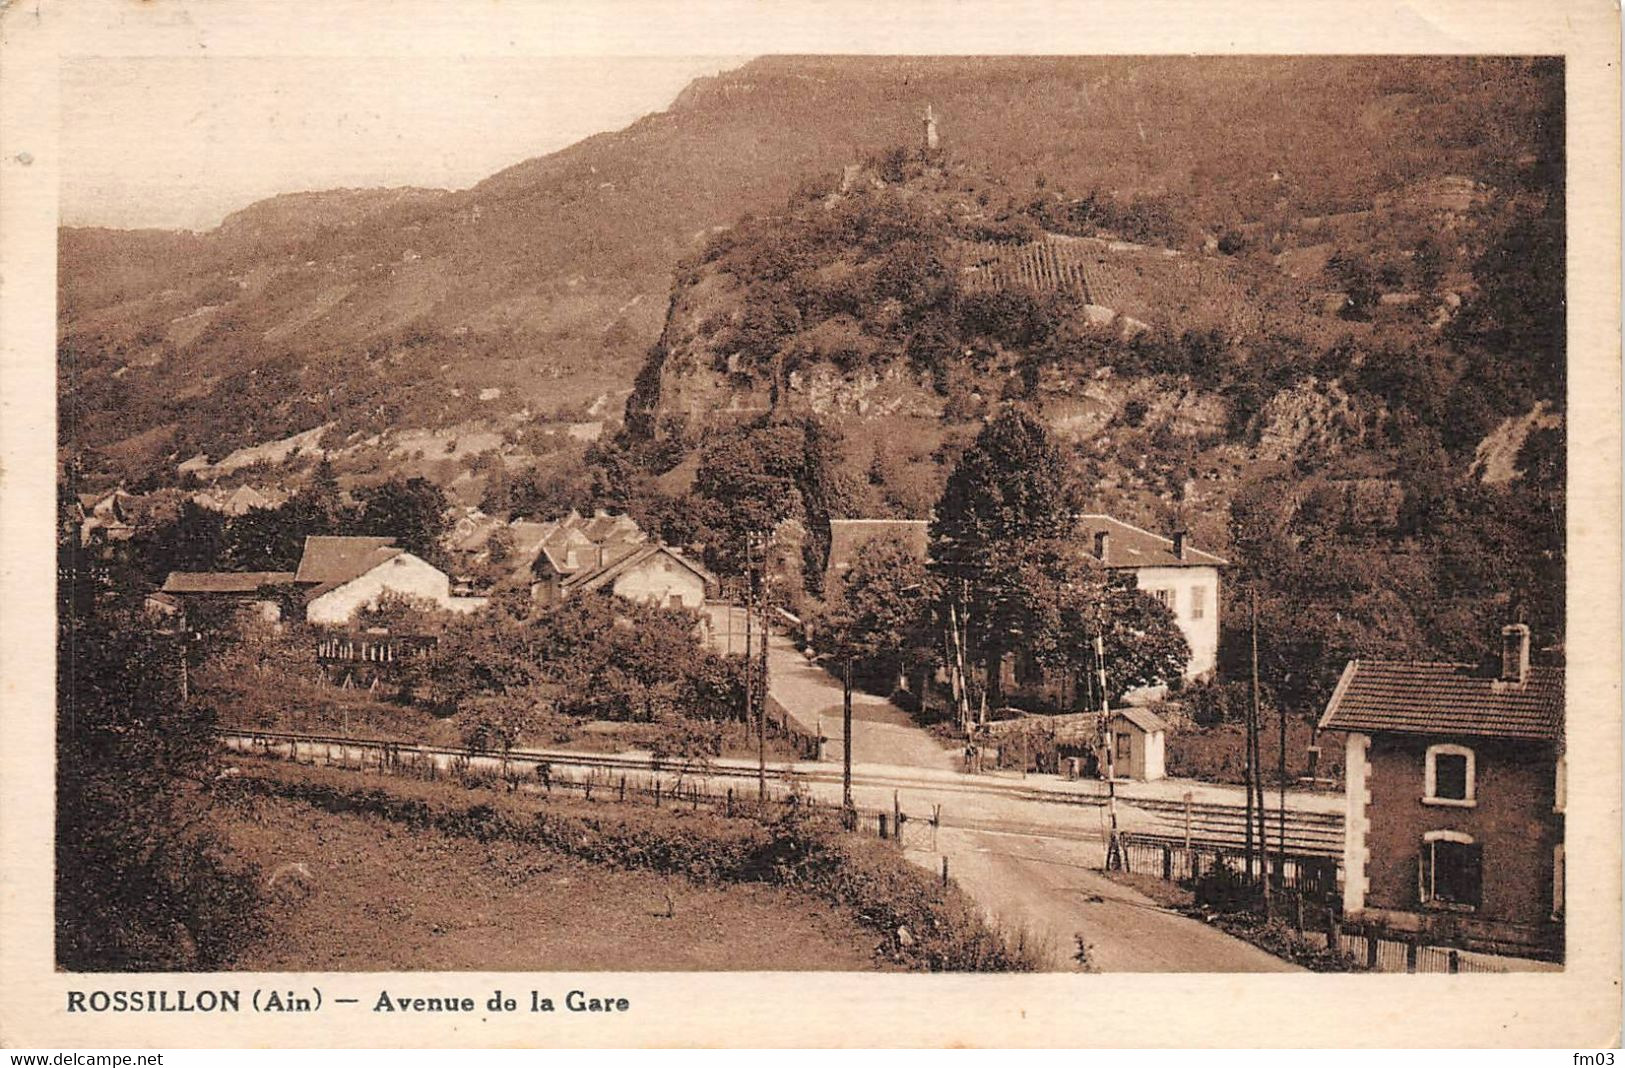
[[1178, 574]]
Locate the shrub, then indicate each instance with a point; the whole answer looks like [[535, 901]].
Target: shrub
[[1224, 889]]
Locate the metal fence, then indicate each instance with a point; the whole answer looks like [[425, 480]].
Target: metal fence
[[1313, 876]]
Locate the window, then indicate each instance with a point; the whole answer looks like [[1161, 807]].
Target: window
[[1165, 596], [1449, 776], [1198, 602], [1450, 871]]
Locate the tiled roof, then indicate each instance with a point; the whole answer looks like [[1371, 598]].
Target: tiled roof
[[592, 572], [528, 537], [1130, 546], [1401, 697], [331, 560], [224, 581], [847, 536], [624, 557]]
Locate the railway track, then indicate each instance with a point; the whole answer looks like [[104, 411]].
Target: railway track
[[1204, 824]]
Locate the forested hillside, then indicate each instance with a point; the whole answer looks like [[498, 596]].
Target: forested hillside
[[538, 291], [1312, 310]]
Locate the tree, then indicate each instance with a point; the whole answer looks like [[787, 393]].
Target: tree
[[141, 882], [1010, 487], [1052, 601], [413, 511], [880, 615], [1011, 484], [751, 479], [194, 540]]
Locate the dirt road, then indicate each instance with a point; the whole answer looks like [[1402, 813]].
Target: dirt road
[[1034, 868], [1051, 892], [882, 733]]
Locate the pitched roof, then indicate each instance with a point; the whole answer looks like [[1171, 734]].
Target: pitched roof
[[471, 531], [627, 556], [570, 545], [528, 536], [245, 499], [1407, 697], [617, 558], [1132, 546], [1143, 718], [847, 536], [603, 525], [331, 560], [224, 581]]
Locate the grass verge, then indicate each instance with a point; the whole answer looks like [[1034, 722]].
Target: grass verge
[[924, 925]]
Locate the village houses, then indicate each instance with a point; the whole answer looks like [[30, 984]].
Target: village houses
[[336, 576], [1181, 576], [1184, 578], [611, 552], [1455, 794]]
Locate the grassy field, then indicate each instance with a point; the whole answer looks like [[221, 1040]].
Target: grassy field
[[379, 872], [352, 892]]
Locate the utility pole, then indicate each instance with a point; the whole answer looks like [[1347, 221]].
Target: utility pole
[[848, 811], [1114, 845], [1280, 845], [1251, 770], [961, 678], [759, 689], [750, 669], [1257, 755], [765, 603]]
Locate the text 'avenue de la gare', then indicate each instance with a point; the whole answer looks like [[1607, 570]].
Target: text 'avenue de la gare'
[[574, 1001]]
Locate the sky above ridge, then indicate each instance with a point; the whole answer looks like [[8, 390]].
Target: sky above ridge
[[179, 143]]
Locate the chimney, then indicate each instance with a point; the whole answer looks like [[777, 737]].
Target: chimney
[[1515, 653], [1103, 542], [1179, 545]]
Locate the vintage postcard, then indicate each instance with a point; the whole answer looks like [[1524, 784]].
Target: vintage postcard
[[648, 524]]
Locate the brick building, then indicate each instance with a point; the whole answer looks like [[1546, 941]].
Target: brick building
[[1454, 831]]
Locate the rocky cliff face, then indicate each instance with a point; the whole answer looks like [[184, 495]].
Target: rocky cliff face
[[548, 280]]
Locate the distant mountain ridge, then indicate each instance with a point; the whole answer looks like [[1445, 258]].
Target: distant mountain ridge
[[548, 281]]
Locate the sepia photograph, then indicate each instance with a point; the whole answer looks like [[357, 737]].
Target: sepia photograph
[[763, 512]]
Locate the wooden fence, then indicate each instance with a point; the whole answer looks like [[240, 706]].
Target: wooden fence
[[676, 782], [1380, 954]]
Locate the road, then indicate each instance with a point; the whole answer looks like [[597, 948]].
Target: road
[[1052, 893], [1029, 852], [882, 733], [1035, 867]]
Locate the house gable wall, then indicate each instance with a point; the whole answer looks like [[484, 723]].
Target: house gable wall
[[1512, 819], [404, 574], [1201, 634], [661, 580]]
